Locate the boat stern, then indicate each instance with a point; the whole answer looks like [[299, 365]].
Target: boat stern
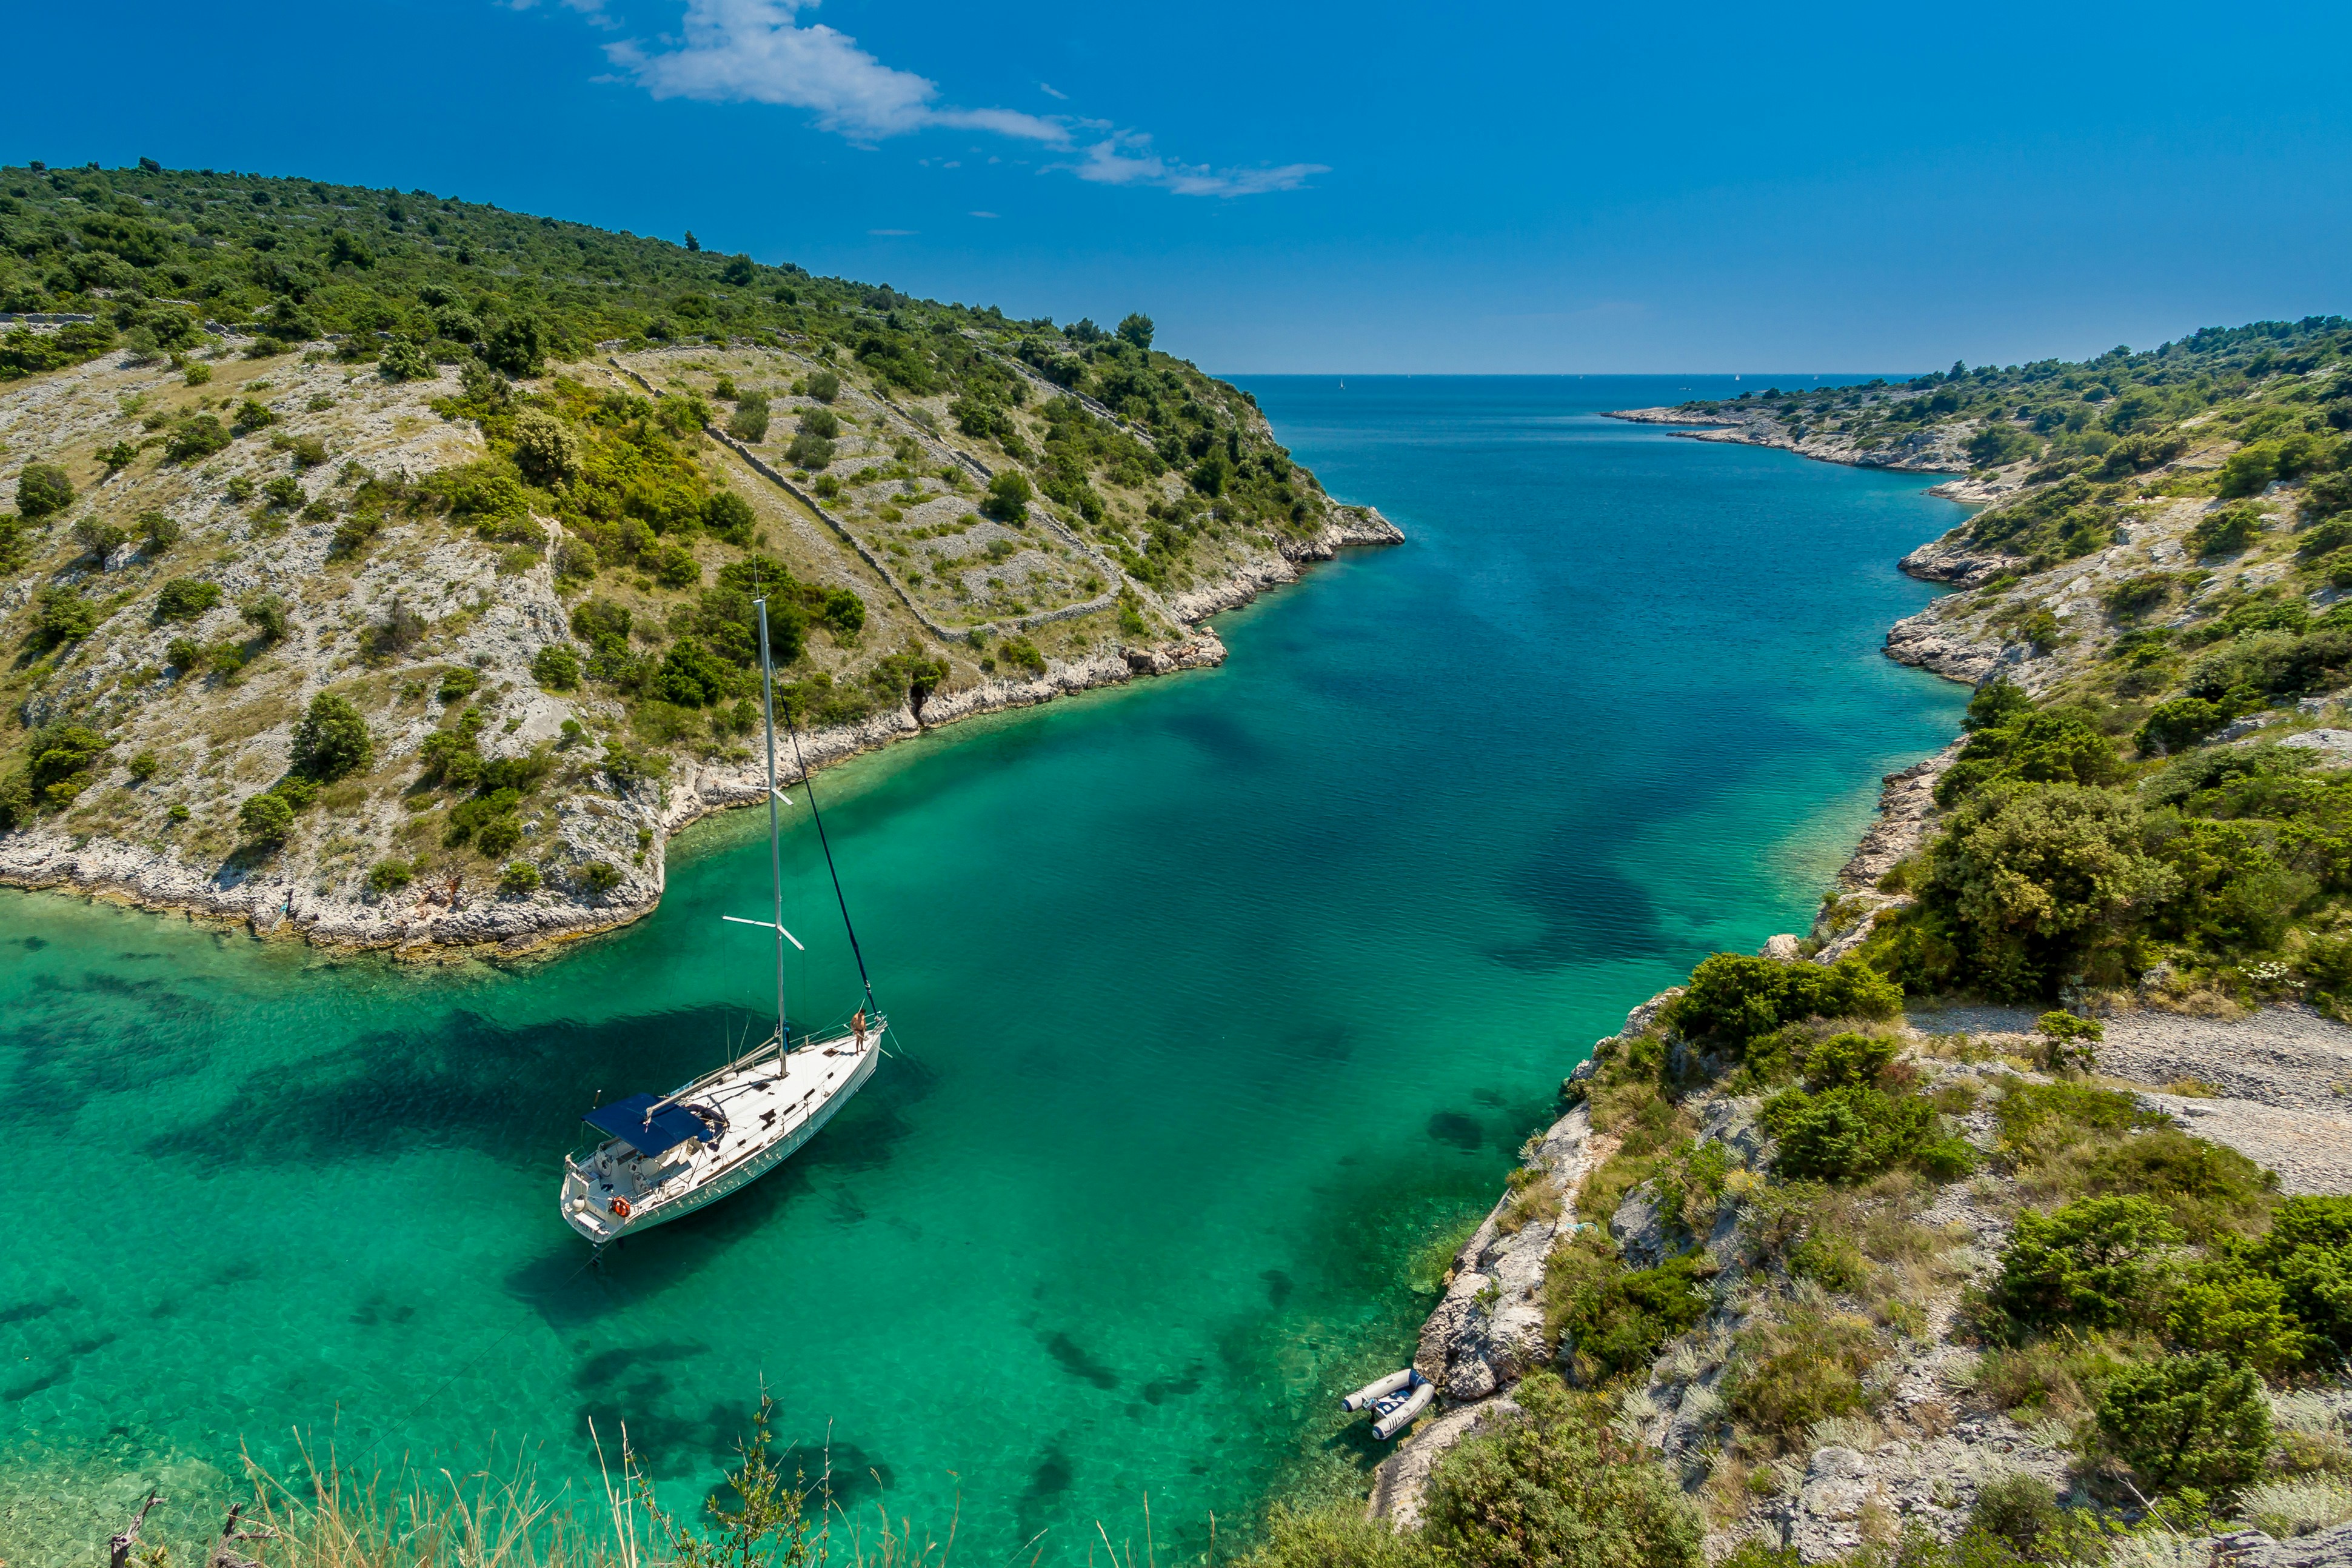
[[583, 1210]]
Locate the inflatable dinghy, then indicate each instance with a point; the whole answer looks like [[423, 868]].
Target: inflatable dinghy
[[1393, 1401]]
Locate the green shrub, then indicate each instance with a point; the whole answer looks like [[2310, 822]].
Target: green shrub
[[1008, 497], [2226, 530], [1336, 1537], [822, 422], [1733, 998], [195, 438], [390, 876], [266, 818], [1845, 1061], [1855, 1132], [1609, 1320], [2029, 885], [61, 761], [729, 517], [2210, 1190], [749, 423], [333, 740], [2042, 746], [545, 449], [185, 599], [2187, 1421], [252, 415], [824, 386], [402, 360], [100, 537], [1789, 1375], [810, 451], [284, 493], [498, 835], [2309, 1251], [43, 488], [2031, 1115], [266, 613], [1022, 654], [518, 879], [1557, 1486], [2178, 725], [456, 681], [143, 767], [2072, 1040], [599, 877], [2095, 1263], [1831, 1261], [2236, 1311], [556, 667], [62, 615]]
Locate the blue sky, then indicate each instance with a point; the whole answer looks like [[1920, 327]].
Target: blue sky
[[1576, 187]]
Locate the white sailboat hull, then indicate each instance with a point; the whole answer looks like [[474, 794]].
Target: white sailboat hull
[[764, 1117]]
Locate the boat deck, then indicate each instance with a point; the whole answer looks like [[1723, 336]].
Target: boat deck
[[762, 1117]]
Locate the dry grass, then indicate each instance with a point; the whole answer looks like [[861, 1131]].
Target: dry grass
[[328, 1516]]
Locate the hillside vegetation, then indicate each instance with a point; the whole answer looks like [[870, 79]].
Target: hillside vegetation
[[388, 563], [1815, 1282]]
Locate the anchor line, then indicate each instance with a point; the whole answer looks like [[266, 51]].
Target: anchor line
[[810, 785]]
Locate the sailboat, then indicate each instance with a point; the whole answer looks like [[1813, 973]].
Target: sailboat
[[664, 1157]]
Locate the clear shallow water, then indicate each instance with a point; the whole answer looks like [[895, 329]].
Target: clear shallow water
[[1217, 995]]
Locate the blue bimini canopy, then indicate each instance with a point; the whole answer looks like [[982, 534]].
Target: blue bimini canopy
[[657, 1134]]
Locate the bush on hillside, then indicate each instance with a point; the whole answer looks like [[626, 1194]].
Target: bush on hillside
[[1733, 999], [2187, 1421], [43, 488], [2094, 1263], [1557, 1485], [332, 741], [2027, 885]]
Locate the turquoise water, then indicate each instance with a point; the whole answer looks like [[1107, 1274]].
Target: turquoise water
[[1216, 995]]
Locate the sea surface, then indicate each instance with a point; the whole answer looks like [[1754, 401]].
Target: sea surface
[[1215, 998]]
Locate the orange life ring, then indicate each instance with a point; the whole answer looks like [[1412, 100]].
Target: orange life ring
[[620, 1208]]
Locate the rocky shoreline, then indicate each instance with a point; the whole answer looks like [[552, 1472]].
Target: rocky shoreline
[[430, 926]]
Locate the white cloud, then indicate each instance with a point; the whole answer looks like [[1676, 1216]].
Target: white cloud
[[1124, 158], [760, 51], [1048, 88], [890, 234], [978, 214], [756, 51]]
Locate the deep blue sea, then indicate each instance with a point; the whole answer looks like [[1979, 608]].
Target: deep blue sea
[[1217, 996]]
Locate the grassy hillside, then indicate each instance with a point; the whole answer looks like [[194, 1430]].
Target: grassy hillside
[[490, 497]]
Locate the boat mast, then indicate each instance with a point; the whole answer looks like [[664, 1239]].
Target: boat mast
[[775, 848]]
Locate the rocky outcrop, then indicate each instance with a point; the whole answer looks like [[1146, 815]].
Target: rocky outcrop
[[1953, 559], [1345, 527], [1927, 642]]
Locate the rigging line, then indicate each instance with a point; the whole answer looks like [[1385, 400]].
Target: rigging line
[[809, 784]]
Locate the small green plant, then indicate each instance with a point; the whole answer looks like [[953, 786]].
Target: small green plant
[[266, 819], [333, 740], [2187, 1421], [458, 682], [520, 879], [600, 877], [43, 489], [144, 766], [1008, 497], [390, 876], [185, 598], [556, 667], [2073, 1042], [2097, 1262]]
